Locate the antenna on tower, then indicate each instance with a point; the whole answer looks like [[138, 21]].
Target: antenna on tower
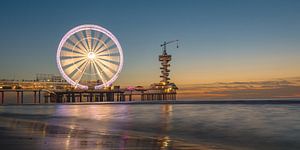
[[164, 45]]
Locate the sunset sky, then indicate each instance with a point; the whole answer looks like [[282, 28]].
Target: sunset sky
[[227, 49]]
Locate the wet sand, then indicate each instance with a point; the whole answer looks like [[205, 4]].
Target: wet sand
[[31, 134], [254, 126]]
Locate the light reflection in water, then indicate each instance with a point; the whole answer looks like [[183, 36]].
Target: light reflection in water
[[166, 117], [152, 126], [165, 142], [88, 126]]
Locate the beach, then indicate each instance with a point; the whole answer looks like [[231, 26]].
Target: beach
[[146, 126]]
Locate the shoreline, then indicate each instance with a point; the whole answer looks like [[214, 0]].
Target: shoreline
[[233, 102]]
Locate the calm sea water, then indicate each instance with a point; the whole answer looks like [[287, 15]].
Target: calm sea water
[[151, 126]]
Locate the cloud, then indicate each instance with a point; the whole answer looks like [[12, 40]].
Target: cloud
[[279, 88]]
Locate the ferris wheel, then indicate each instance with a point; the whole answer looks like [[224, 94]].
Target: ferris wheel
[[89, 56]]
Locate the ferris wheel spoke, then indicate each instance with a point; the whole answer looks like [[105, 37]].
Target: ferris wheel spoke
[[97, 35], [104, 38], [92, 44], [73, 51], [109, 56], [104, 73], [107, 67], [107, 50], [109, 43], [79, 42], [71, 67], [111, 67], [75, 46], [67, 52], [100, 47], [72, 47], [73, 39], [110, 61], [117, 54], [93, 69], [89, 39], [73, 73], [78, 72], [100, 73], [70, 57], [103, 43], [66, 63], [82, 72], [83, 40], [80, 39], [103, 50], [97, 45]]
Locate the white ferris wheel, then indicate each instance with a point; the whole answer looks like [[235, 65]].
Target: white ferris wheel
[[89, 56]]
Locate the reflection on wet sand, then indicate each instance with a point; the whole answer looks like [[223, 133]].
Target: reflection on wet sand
[[155, 126], [166, 117], [28, 134]]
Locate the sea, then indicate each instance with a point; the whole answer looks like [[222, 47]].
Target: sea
[[151, 126]]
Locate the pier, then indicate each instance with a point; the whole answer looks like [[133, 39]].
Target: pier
[[40, 96]]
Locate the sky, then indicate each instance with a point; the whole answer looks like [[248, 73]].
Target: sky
[[225, 42]]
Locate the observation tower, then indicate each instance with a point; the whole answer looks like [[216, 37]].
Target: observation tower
[[165, 85], [164, 58]]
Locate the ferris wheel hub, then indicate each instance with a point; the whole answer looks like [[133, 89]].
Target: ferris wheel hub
[[91, 55]]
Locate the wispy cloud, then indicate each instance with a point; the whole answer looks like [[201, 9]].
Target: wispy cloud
[[279, 88]]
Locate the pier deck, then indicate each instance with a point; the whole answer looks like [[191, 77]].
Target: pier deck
[[74, 96]]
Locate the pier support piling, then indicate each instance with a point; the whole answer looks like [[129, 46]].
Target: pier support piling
[[22, 96], [39, 96], [18, 97], [34, 97], [2, 97]]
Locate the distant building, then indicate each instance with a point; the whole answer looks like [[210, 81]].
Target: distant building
[[41, 77], [56, 78]]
